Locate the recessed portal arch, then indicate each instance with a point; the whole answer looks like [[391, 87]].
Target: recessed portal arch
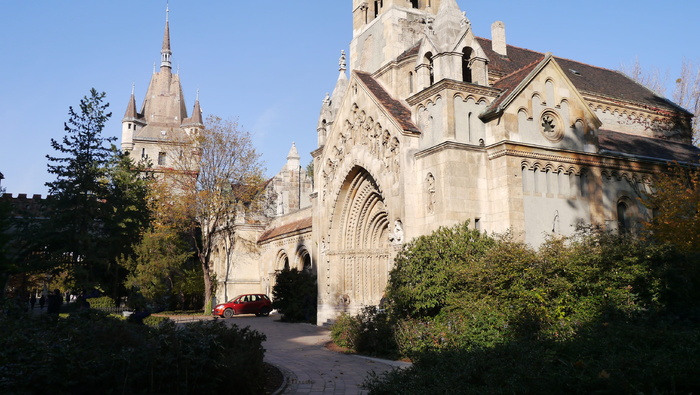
[[360, 247]]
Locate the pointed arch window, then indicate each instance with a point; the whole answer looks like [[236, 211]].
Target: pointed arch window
[[410, 82]]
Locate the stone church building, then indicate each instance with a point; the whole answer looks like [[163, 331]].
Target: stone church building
[[431, 126]]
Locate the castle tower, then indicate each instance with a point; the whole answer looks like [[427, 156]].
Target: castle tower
[[384, 29], [162, 122]]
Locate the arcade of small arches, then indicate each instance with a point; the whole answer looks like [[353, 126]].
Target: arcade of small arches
[[300, 259]]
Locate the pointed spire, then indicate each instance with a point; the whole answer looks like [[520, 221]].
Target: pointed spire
[[197, 111], [293, 153], [165, 52], [131, 107], [293, 158]]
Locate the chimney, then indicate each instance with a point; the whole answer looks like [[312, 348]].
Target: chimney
[[498, 38]]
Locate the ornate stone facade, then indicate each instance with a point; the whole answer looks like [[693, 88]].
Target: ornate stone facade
[[434, 126]]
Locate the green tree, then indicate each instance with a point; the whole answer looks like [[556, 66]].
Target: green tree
[[129, 214], [159, 268], [294, 294], [96, 208]]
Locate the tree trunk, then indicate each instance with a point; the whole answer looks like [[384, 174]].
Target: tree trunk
[[207, 283]]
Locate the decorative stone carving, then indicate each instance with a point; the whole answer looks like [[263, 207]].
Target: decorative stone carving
[[362, 129], [552, 126], [430, 190], [397, 235]]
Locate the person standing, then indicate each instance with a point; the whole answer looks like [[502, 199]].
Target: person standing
[[32, 299], [42, 301]]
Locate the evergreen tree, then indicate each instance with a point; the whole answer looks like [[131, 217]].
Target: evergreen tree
[[128, 216], [96, 207]]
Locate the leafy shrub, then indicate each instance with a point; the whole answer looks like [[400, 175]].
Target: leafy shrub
[[102, 302], [594, 312], [345, 331], [91, 352], [429, 269], [294, 295], [371, 332], [605, 359]]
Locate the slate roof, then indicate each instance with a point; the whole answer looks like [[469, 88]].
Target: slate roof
[[508, 84], [286, 229], [396, 109], [586, 78], [624, 144]]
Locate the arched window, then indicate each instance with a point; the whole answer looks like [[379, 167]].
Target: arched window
[[286, 263], [410, 82], [623, 220], [429, 61], [307, 261], [466, 71]]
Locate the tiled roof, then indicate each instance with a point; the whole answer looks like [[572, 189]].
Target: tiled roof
[[413, 51], [508, 83], [396, 109], [286, 229], [586, 78], [629, 144]]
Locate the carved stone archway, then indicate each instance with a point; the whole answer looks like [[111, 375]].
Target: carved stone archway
[[360, 249]]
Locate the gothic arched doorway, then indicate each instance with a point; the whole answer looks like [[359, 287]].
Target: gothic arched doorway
[[360, 248]]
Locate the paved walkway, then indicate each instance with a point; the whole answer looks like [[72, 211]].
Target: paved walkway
[[298, 350]]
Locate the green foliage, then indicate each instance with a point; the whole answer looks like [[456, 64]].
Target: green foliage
[[103, 302], [429, 269], [96, 207], [294, 295], [370, 333], [345, 331], [594, 312], [91, 352], [162, 269], [638, 358]]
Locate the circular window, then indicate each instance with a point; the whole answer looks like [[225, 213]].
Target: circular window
[[552, 126]]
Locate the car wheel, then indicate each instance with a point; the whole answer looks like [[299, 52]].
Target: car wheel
[[228, 313], [264, 312]]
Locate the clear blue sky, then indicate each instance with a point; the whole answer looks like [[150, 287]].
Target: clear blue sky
[[270, 63]]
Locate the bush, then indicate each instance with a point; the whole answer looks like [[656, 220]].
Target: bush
[[370, 333], [294, 295], [594, 312], [345, 331], [430, 269], [91, 352], [605, 359]]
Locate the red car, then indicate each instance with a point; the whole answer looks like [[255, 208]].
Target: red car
[[258, 304]]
